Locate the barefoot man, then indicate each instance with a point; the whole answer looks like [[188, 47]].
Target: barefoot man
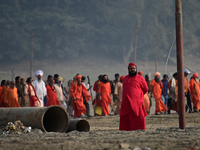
[[132, 113]]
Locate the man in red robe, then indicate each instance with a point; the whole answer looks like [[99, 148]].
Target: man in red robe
[[104, 92], [51, 94], [77, 91], [132, 113]]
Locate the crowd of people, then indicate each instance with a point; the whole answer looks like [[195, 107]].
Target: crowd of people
[[76, 95]]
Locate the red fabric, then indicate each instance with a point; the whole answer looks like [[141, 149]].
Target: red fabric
[[2, 89], [192, 89], [195, 75], [132, 113], [95, 86], [146, 101], [10, 97], [32, 98], [157, 92], [52, 96], [131, 64], [105, 91], [122, 78], [77, 92], [196, 95], [131, 122], [140, 73]]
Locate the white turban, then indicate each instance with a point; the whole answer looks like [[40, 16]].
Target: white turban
[[39, 72]]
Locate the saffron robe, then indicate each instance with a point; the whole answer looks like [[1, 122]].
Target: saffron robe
[[2, 90], [191, 89], [105, 91], [196, 95], [11, 98], [77, 92], [132, 113], [157, 92], [52, 96], [146, 102]]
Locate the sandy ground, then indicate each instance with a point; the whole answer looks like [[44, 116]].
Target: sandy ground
[[160, 133]]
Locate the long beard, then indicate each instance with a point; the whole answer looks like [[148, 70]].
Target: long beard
[[79, 83], [105, 81], [157, 80], [197, 80], [132, 74]]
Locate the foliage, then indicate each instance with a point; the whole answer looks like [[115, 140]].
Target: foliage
[[67, 29]]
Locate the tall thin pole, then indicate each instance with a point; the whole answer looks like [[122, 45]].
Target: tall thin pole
[[180, 64], [155, 48], [31, 55], [135, 46]]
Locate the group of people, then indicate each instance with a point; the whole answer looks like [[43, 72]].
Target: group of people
[[129, 96]]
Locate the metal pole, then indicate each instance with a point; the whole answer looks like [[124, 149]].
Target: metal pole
[[180, 64], [155, 46], [31, 55], [135, 46]]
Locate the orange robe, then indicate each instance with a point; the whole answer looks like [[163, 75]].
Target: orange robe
[[52, 96], [105, 91], [2, 89], [196, 95], [77, 92], [146, 102], [157, 92], [10, 98]]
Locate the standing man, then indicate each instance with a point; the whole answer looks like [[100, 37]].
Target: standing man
[[187, 91], [165, 90], [20, 91], [118, 93], [10, 96], [77, 91], [195, 91], [84, 100], [156, 89], [132, 113], [40, 87], [104, 94], [113, 84]]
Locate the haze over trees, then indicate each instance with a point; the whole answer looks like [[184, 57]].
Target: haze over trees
[[67, 29]]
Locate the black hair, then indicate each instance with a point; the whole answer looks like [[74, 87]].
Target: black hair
[[175, 74], [56, 75], [165, 76], [28, 80], [17, 77], [3, 82], [83, 78], [117, 75]]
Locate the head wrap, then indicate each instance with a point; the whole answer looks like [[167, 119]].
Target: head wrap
[[140, 73], [60, 78], [78, 76], [122, 78], [195, 75], [186, 71], [157, 74], [131, 64], [39, 72]]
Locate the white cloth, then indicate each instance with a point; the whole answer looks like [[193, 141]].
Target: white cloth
[[40, 90], [39, 72], [59, 92], [87, 86]]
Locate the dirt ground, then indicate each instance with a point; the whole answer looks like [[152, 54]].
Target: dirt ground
[[161, 133]]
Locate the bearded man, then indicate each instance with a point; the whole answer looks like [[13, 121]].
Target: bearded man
[[77, 91], [40, 87], [132, 113], [157, 88], [104, 94]]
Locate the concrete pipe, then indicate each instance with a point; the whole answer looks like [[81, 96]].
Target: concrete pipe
[[48, 119], [79, 125]]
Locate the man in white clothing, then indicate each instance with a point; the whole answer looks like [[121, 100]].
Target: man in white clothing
[[40, 87]]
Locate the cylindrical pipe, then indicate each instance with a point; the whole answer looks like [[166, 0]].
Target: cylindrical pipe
[[180, 64], [79, 125], [49, 119]]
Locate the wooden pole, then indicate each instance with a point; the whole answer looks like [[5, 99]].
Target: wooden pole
[[135, 46], [155, 48], [31, 56], [180, 64]]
